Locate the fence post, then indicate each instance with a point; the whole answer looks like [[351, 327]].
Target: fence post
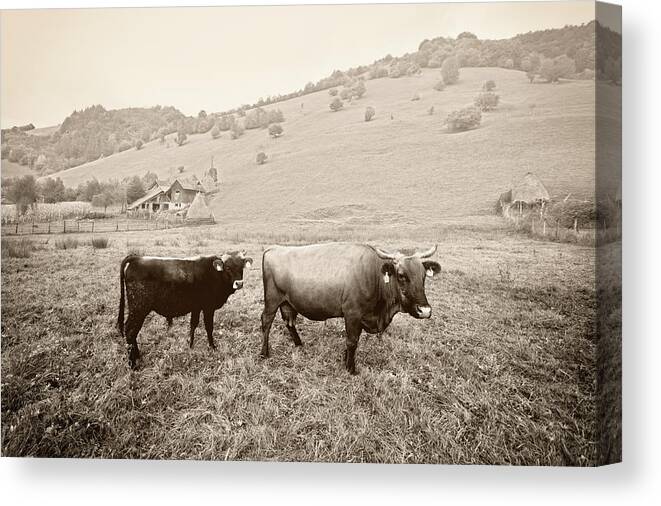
[[532, 225], [576, 225], [49, 227], [65, 227], [78, 226], [92, 226], [16, 227], [117, 226], [557, 228], [544, 228], [33, 225]]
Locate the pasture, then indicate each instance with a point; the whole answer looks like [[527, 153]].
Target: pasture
[[503, 372]]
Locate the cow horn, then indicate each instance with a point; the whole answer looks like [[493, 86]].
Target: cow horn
[[427, 253], [225, 257], [387, 255], [242, 254]]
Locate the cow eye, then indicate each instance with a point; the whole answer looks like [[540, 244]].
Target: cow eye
[[402, 276]]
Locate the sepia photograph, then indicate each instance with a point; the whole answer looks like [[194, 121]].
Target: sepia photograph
[[363, 233]]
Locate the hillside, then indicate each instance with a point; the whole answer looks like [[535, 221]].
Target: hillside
[[326, 164]]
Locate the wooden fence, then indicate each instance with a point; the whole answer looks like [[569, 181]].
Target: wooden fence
[[91, 226]]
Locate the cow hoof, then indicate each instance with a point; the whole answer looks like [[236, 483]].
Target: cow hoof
[[264, 355]]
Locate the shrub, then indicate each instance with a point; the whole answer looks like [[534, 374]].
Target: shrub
[[553, 69], [236, 131], [336, 105], [21, 248], [275, 130], [181, 138], [369, 113], [100, 242], [332, 92], [415, 97], [464, 119], [346, 94], [261, 158], [531, 76], [431, 110], [359, 89], [67, 243], [439, 86], [489, 85], [487, 101], [450, 70], [215, 132], [123, 146], [138, 144]]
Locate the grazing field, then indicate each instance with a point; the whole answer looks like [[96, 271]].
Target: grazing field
[[503, 372], [408, 166]]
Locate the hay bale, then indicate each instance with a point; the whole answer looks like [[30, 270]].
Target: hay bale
[[199, 211], [530, 190]]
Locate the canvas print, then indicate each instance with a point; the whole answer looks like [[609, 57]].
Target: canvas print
[[329, 233]]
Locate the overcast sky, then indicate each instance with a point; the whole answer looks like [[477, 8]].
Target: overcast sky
[[55, 61]]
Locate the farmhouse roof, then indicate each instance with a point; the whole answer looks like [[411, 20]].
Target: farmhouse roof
[[190, 183], [529, 190], [153, 192], [199, 210]]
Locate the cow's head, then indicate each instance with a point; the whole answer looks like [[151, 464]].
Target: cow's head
[[230, 267], [407, 273]]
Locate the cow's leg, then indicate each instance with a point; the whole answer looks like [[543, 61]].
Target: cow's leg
[[289, 314], [267, 320], [272, 300], [353, 328], [133, 326], [194, 321], [208, 325]]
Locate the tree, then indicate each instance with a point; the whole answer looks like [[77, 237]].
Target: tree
[[359, 89], [531, 76], [202, 114], [102, 200], [554, 69], [52, 190], [466, 35], [215, 132], [336, 105], [450, 70], [134, 189], [181, 138], [275, 130], [24, 193], [261, 158], [40, 163], [369, 113], [431, 110], [333, 92], [346, 94], [236, 131], [489, 85], [487, 101], [613, 70], [181, 169], [124, 145], [439, 86], [212, 174], [138, 145], [464, 119]]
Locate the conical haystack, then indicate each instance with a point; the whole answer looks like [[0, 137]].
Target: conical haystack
[[198, 210], [530, 190]]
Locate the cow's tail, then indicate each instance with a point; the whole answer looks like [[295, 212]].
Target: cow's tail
[[122, 283]]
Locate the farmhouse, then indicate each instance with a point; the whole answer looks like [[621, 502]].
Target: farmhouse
[[164, 196]]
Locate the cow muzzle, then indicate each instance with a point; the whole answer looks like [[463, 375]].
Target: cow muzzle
[[237, 284], [423, 311]]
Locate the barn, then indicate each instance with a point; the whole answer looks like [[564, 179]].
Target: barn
[[165, 196]]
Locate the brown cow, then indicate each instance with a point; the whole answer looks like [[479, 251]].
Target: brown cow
[[365, 285]]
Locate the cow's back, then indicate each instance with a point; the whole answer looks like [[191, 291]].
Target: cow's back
[[318, 280]]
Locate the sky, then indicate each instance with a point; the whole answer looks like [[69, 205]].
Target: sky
[[53, 61]]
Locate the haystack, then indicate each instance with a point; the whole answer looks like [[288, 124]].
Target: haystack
[[199, 211], [530, 190]]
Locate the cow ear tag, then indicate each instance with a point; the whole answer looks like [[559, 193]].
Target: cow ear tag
[[430, 273], [248, 265], [386, 277], [218, 265]]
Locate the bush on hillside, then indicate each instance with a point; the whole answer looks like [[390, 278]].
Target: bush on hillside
[[275, 130], [464, 119], [261, 158], [369, 113], [552, 69], [346, 94], [415, 97], [487, 101], [359, 89], [123, 146], [181, 138], [450, 70], [336, 105], [333, 92], [215, 132], [431, 111], [236, 131], [138, 144]]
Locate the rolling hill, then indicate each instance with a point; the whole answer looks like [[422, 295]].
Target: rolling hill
[[402, 165]]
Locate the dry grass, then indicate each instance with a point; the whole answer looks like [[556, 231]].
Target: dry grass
[[100, 242], [67, 243], [502, 373], [21, 248]]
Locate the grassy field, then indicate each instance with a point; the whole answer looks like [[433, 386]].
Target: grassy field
[[502, 373], [410, 164]]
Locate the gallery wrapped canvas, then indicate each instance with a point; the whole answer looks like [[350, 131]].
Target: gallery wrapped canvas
[[399, 227]]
